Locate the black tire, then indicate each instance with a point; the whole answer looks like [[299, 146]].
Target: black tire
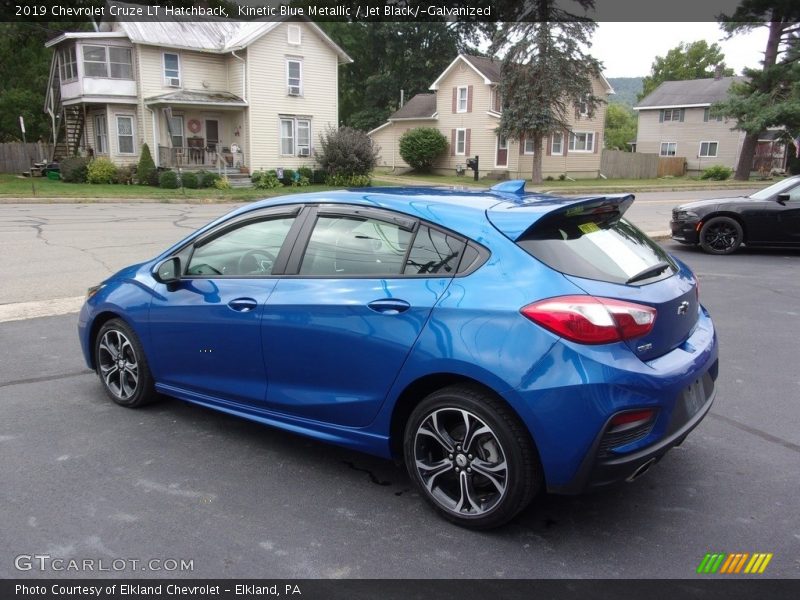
[[122, 366], [721, 235], [477, 435]]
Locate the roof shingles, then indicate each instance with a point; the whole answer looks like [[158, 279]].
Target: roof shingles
[[688, 93]]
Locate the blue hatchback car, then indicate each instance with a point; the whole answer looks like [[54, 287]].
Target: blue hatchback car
[[499, 342]]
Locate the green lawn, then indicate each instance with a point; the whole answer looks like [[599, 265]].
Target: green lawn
[[13, 186]]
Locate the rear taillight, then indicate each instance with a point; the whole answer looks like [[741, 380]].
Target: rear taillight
[[591, 320], [631, 419]]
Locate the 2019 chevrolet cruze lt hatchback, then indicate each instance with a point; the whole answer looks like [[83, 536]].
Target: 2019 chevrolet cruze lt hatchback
[[499, 342]]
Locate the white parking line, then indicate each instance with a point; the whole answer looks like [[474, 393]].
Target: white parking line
[[19, 311]]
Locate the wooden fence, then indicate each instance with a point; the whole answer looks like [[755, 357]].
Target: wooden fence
[[616, 164], [16, 157]]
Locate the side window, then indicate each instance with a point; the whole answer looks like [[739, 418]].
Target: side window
[[434, 252], [249, 250], [343, 246]]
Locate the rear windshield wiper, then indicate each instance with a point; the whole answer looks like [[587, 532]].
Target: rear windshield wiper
[[656, 269]]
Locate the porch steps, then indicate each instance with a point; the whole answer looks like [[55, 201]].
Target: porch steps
[[239, 180]]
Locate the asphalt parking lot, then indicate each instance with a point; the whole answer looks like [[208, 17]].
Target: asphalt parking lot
[[82, 478]]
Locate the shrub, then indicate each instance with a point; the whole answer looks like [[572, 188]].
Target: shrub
[[300, 181], [73, 169], [549, 178], [346, 151], [421, 147], [154, 177], [794, 167], [562, 177], [348, 180], [101, 170], [209, 179], [717, 173], [265, 180], [222, 183], [318, 176], [168, 180], [145, 167], [125, 175], [307, 173], [189, 180], [288, 176]]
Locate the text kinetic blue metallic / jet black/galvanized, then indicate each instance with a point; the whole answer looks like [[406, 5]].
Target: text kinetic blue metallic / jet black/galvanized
[[499, 342]]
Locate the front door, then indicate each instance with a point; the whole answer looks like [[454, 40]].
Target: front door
[[337, 333], [212, 134], [502, 152]]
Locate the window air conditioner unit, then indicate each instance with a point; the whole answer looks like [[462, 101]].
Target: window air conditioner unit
[[294, 90], [304, 151], [174, 82]]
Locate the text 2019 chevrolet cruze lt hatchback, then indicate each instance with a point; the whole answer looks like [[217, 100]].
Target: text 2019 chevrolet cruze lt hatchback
[[500, 342]]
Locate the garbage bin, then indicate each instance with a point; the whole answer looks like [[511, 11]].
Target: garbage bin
[[53, 174]]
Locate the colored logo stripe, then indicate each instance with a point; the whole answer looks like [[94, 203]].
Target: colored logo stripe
[[734, 563]]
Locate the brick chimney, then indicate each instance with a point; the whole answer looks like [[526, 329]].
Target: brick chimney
[[718, 71]]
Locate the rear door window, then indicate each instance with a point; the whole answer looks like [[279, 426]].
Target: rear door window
[[597, 246]]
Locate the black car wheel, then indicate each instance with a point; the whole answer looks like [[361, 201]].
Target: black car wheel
[[721, 235], [122, 366], [471, 457]]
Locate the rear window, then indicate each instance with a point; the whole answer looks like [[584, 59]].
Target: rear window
[[603, 247]]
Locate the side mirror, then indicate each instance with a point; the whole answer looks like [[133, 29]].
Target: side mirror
[[168, 271], [782, 199]]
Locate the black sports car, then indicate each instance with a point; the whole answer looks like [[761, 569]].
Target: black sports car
[[770, 217]]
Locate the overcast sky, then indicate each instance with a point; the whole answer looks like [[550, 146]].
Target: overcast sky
[[628, 49]]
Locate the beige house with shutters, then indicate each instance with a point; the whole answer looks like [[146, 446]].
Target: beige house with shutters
[[464, 104], [209, 94]]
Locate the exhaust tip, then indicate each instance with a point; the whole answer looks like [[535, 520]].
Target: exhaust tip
[[641, 470]]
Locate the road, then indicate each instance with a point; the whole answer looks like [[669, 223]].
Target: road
[[58, 250], [83, 478]]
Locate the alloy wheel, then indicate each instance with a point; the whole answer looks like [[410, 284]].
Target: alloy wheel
[[118, 364]]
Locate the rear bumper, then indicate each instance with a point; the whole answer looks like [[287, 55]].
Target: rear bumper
[[684, 231], [596, 471]]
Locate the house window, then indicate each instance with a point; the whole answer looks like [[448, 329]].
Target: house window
[[172, 69], [294, 35], [557, 144], [295, 137], [107, 61], [125, 134], [294, 76], [461, 142], [583, 106], [175, 126], [708, 149], [100, 134], [528, 146], [581, 141], [673, 114], [463, 94], [707, 116], [497, 100], [68, 63], [668, 148]]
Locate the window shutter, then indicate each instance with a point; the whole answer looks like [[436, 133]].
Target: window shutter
[[548, 148], [596, 141], [452, 142], [661, 116], [466, 141], [455, 99], [522, 144], [469, 99], [683, 110]]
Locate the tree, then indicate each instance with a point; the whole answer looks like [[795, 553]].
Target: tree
[[695, 60], [420, 147], [770, 97], [546, 73], [620, 127]]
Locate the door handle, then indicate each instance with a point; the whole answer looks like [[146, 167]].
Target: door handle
[[389, 306], [243, 304]]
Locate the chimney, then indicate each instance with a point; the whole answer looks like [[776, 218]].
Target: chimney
[[718, 71]]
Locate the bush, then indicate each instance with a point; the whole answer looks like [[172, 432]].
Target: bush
[[101, 170], [794, 167], [346, 151], [73, 169], [318, 176], [265, 180], [145, 167], [288, 176], [168, 180], [125, 175], [300, 181], [189, 180], [421, 147], [209, 179], [154, 177], [348, 180], [307, 173], [222, 183], [717, 173]]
